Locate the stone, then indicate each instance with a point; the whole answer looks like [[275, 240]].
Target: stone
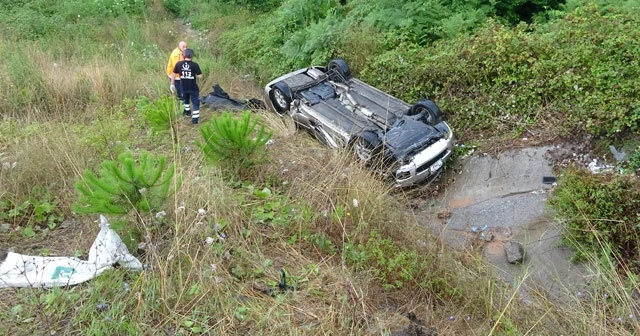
[[514, 252], [5, 227]]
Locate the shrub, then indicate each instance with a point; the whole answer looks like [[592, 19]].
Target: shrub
[[234, 143], [396, 266], [600, 210], [126, 184], [161, 114]]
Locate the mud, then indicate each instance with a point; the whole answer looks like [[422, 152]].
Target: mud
[[494, 199]]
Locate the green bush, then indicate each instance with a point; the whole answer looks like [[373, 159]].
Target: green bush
[[396, 266], [128, 183], [235, 144], [572, 76], [600, 210], [161, 114]]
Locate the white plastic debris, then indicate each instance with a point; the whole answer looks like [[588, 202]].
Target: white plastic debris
[[18, 270], [596, 168]]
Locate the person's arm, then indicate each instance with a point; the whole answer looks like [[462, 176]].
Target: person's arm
[[199, 75], [172, 87]]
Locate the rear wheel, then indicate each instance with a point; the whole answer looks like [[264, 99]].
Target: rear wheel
[[280, 96], [338, 70], [427, 111]]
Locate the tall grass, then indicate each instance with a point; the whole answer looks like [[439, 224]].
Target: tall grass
[[215, 258]]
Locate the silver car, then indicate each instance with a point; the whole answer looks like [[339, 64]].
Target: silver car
[[408, 143]]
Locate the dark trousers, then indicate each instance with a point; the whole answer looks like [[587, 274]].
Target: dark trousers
[[192, 97]]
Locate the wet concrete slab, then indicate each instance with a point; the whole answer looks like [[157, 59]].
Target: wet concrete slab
[[494, 200]]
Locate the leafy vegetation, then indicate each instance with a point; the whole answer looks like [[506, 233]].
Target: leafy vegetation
[[601, 214], [37, 213]]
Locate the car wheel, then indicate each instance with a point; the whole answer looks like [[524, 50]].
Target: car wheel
[[427, 111], [338, 70], [363, 149], [280, 96]]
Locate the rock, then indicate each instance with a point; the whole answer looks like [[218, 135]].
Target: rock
[[514, 252], [487, 236], [5, 227], [3, 254]]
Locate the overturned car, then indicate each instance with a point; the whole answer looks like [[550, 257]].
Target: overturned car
[[409, 143]]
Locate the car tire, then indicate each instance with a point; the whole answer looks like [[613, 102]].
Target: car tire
[[281, 97], [366, 146], [427, 111], [338, 70]]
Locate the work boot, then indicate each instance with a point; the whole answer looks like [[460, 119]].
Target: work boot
[[186, 113], [194, 121]]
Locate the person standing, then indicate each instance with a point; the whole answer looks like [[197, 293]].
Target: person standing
[[176, 56], [189, 71]]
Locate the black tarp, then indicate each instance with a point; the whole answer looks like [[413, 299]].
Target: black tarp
[[218, 99]]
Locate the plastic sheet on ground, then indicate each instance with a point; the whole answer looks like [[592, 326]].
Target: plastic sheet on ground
[[218, 99], [18, 270]]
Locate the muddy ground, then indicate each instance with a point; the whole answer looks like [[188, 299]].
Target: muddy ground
[[490, 200]]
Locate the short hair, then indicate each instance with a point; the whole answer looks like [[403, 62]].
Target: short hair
[[188, 53]]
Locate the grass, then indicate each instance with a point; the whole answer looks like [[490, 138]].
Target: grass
[[215, 259]]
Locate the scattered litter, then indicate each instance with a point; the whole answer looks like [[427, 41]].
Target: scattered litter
[[477, 229], [18, 270], [9, 165], [102, 306], [549, 179], [618, 155], [126, 286], [596, 168]]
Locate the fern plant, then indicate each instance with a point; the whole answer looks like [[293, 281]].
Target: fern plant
[[235, 144], [126, 184], [161, 114]]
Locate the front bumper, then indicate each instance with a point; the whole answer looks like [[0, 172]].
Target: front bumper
[[427, 164]]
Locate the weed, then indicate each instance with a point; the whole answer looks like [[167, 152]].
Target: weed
[[39, 212]]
